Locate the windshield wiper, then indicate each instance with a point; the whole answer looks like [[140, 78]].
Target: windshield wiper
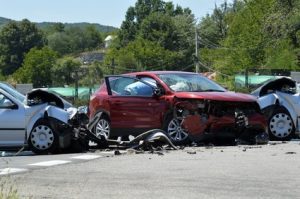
[[212, 90]]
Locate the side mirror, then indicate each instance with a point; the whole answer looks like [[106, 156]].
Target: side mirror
[[9, 104], [157, 92]]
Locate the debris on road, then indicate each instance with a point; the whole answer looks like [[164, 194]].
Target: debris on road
[[290, 153], [191, 152]]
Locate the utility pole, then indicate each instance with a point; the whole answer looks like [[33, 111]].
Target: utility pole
[[246, 78], [196, 50], [76, 83], [113, 65]]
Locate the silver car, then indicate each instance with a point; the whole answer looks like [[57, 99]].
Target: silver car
[[279, 100], [38, 120]]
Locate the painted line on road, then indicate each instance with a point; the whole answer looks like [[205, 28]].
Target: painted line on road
[[86, 157], [7, 171], [50, 163]]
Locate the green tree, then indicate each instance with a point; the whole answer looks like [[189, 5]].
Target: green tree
[[93, 38], [155, 25], [63, 71], [37, 67], [75, 39], [136, 15], [185, 28], [141, 55], [16, 39], [60, 42], [128, 28], [94, 74], [160, 28]]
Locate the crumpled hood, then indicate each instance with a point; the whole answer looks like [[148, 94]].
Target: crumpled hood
[[274, 85], [40, 96], [218, 96]]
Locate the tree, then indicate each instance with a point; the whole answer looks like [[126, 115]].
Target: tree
[[93, 38], [62, 71], [155, 25], [128, 28], [136, 15], [141, 55], [37, 67], [16, 39], [283, 26], [213, 28], [160, 28], [75, 39], [60, 42], [185, 28], [94, 75]]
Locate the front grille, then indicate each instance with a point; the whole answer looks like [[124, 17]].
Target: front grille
[[220, 109]]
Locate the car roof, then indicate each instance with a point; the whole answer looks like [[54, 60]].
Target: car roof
[[159, 72]]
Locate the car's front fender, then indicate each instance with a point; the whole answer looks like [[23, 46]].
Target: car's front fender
[[47, 111], [268, 100], [277, 100]]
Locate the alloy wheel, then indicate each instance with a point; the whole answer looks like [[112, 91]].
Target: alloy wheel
[[175, 131], [103, 128]]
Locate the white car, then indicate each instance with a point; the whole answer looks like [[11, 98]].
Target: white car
[[279, 100], [38, 121]]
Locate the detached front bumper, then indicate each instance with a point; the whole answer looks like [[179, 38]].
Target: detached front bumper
[[226, 127]]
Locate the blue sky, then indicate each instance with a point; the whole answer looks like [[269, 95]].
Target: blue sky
[[105, 12]]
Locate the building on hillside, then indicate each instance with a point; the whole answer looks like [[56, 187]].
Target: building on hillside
[[108, 40]]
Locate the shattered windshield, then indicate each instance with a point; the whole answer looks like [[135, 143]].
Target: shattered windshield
[[190, 83]]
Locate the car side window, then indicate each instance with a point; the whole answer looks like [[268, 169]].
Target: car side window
[[126, 86]]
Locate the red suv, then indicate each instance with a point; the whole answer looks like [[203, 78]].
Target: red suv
[[186, 105]]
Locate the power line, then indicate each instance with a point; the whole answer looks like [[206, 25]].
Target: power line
[[210, 69], [209, 43]]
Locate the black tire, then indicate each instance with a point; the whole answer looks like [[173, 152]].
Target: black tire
[[174, 131], [43, 139], [280, 125], [103, 128]]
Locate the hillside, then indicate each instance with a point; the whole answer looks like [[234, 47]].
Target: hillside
[[45, 25], [4, 21]]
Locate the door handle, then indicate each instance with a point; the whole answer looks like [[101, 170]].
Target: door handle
[[118, 102]]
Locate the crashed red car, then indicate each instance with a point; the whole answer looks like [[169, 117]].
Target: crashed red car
[[187, 106]]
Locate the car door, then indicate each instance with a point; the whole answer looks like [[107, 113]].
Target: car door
[[132, 103], [12, 121]]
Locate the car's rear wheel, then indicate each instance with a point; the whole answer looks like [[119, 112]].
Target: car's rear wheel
[[281, 125], [175, 132], [102, 128], [43, 139]]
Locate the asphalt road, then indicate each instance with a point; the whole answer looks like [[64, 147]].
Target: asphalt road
[[269, 171]]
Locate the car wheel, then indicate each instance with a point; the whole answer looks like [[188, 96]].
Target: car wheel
[[175, 132], [43, 139], [102, 128], [281, 125]]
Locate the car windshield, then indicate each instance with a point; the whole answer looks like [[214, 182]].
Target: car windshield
[[13, 92], [190, 83]]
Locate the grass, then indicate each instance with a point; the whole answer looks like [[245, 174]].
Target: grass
[[7, 190]]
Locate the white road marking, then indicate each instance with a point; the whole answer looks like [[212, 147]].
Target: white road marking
[[50, 163], [86, 157], [7, 171]]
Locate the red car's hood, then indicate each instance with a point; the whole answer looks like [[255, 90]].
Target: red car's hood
[[218, 96]]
